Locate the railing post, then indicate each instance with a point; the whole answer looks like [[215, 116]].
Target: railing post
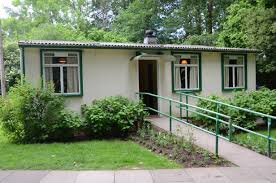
[[230, 130], [180, 105], [187, 108], [268, 137], [170, 116], [217, 130]]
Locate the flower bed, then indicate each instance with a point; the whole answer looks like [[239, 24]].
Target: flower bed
[[182, 150]]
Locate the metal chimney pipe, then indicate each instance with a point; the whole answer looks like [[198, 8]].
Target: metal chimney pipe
[[150, 37]]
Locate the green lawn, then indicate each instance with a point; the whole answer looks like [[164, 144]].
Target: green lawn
[[96, 154], [255, 142]]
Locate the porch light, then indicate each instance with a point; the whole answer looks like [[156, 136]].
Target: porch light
[[62, 60], [183, 61]]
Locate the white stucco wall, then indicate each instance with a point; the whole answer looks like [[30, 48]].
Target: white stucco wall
[[32, 65], [109, 72], [251, 72], [106, 73]]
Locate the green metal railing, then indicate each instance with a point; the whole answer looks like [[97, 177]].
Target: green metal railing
[[218, 117]]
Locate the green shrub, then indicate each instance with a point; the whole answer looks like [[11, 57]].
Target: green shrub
[[69, 124], [113, 116], [263, 100], [30, 115], [207, 122]]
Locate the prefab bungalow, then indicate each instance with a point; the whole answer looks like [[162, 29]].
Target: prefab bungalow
[[85, 71]]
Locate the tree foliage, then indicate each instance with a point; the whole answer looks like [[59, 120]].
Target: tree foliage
[[252, 24], [139, 16], [11, 57], [233, 23]]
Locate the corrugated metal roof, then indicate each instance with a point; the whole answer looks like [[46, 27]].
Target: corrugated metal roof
[[176, 47]]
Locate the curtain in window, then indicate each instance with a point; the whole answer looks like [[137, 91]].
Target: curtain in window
[[48, 74], [226, 76], [193, 77], [239, 76], [177, 78], [52, 75], [72, 80]]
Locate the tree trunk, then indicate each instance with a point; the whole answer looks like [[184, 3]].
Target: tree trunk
[[198, 21], [2, 68], [210, 16]]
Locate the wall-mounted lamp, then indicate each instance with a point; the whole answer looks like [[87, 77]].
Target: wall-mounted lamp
[[62, 60], [183, 61]]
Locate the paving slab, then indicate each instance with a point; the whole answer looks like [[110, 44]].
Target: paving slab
[[190, 175], [60, 176], [133, 176], [267, 172], [243, 175], [4, 174], [237, 154], [171, 176], [25, 177], [207, 175], [95, 177]]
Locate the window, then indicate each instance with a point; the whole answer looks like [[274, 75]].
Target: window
[[234, 75], [186, 72], [63, 70]]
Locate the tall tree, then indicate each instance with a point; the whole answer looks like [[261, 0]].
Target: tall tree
[[193, 18], [138, 17], [2, 68], [209, 21]]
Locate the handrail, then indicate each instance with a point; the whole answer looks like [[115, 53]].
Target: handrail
[[229, 105], [217, 114], [181, 103]]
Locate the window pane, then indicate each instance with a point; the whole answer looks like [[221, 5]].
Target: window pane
[[72, 60], [52, 75], [194, 59], [239, 78], [228, 77], [226, 60], [48, 60], [61, 60], [179, 77], [55, 60], [71, 79], [192, 77], [233, 77], [240, 60], [233, 60], [186, 77]]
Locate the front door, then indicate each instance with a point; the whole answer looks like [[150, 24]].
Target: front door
[[148, 82]]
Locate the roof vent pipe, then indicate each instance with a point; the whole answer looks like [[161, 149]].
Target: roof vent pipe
[[150, 37]]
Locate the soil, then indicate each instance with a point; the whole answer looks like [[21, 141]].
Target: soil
[[188, 157]]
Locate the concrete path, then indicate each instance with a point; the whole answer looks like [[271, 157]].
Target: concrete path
[[238, 155], [190, 175]]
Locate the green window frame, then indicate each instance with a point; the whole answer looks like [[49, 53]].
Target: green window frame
[[173, 71], [43, 66], [232, 72]]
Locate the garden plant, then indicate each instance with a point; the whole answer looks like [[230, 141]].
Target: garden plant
[[178, 148], [262, 100]]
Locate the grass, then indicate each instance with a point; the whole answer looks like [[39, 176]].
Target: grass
[[255, 142], [92, 155]]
